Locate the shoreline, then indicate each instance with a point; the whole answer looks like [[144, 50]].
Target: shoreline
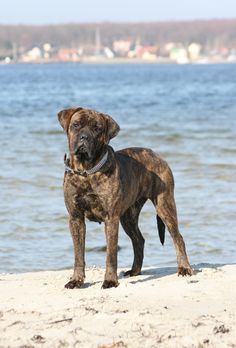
[[123, 61], [156, 308]]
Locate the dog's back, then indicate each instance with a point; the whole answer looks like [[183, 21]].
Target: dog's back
[[154, 173]]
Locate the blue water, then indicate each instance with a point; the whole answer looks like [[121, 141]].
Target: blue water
[[186, 113]]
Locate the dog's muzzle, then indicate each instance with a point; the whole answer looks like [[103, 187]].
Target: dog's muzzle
[[83, 149]]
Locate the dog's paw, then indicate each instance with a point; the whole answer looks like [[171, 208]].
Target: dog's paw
[[185, 271], [131, 273], [72, 284], [109, 284]]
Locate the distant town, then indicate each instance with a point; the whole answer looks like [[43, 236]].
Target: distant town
[[123, 51], [180, 43]]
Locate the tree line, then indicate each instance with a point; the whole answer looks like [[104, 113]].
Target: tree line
[[211, 34]]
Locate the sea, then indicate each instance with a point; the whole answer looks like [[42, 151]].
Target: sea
[[186, 113]]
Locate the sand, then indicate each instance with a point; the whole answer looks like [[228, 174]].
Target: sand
[[156, 309]]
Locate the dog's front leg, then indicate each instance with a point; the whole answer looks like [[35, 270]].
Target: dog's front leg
[[78, 230], [111, 230]]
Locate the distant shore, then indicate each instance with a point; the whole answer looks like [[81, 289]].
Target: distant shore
[[94, 60], [154, 309]]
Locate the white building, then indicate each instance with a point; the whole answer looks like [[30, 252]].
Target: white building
[[33, 55], [194, 50]]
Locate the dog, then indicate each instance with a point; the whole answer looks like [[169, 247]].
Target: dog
[[111, 187]]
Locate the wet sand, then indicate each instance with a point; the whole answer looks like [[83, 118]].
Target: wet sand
[[156, 309]]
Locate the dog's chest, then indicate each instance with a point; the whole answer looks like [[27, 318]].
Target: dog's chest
[[88, 201]]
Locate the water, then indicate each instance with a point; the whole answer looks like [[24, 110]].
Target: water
[[186, 113]]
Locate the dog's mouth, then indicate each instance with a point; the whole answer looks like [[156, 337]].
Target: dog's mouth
[[82, 149], [82, 152], [83, 157]]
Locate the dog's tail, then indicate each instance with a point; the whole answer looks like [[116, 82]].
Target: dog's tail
[[161, 229]]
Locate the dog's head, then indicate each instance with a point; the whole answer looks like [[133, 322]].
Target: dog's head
[[88, 131]]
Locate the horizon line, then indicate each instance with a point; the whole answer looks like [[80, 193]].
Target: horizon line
[[121, 22]]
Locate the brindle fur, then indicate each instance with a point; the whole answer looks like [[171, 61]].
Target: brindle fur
[[116, 193]]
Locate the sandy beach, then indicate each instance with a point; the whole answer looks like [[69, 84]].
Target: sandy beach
[[156, 309]]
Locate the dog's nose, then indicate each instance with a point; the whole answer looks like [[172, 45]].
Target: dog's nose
[[83, 137]]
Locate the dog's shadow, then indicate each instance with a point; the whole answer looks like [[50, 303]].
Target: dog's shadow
[[150, 274], [157, 273]]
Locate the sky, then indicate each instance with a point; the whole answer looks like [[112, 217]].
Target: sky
[[81, 11]]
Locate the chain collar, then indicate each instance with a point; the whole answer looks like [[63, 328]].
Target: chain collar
[[85, 172]]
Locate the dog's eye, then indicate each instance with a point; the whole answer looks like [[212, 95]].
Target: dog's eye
[[76, 125], [98, 128]]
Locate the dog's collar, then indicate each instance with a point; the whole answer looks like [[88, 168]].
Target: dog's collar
[[87, 172]]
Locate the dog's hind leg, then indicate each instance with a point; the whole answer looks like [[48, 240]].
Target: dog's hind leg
[[129, 222], [166, 209]]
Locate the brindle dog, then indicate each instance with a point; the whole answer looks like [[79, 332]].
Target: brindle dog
[[106, 186]]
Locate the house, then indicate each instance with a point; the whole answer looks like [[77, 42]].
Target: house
[[68, 55], [32, 55], [194, 50], [121, 47]]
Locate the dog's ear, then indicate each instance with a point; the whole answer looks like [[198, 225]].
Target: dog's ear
[[112, 127], [65, 116]]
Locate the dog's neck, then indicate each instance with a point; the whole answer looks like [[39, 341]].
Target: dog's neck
[[79, 164]]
